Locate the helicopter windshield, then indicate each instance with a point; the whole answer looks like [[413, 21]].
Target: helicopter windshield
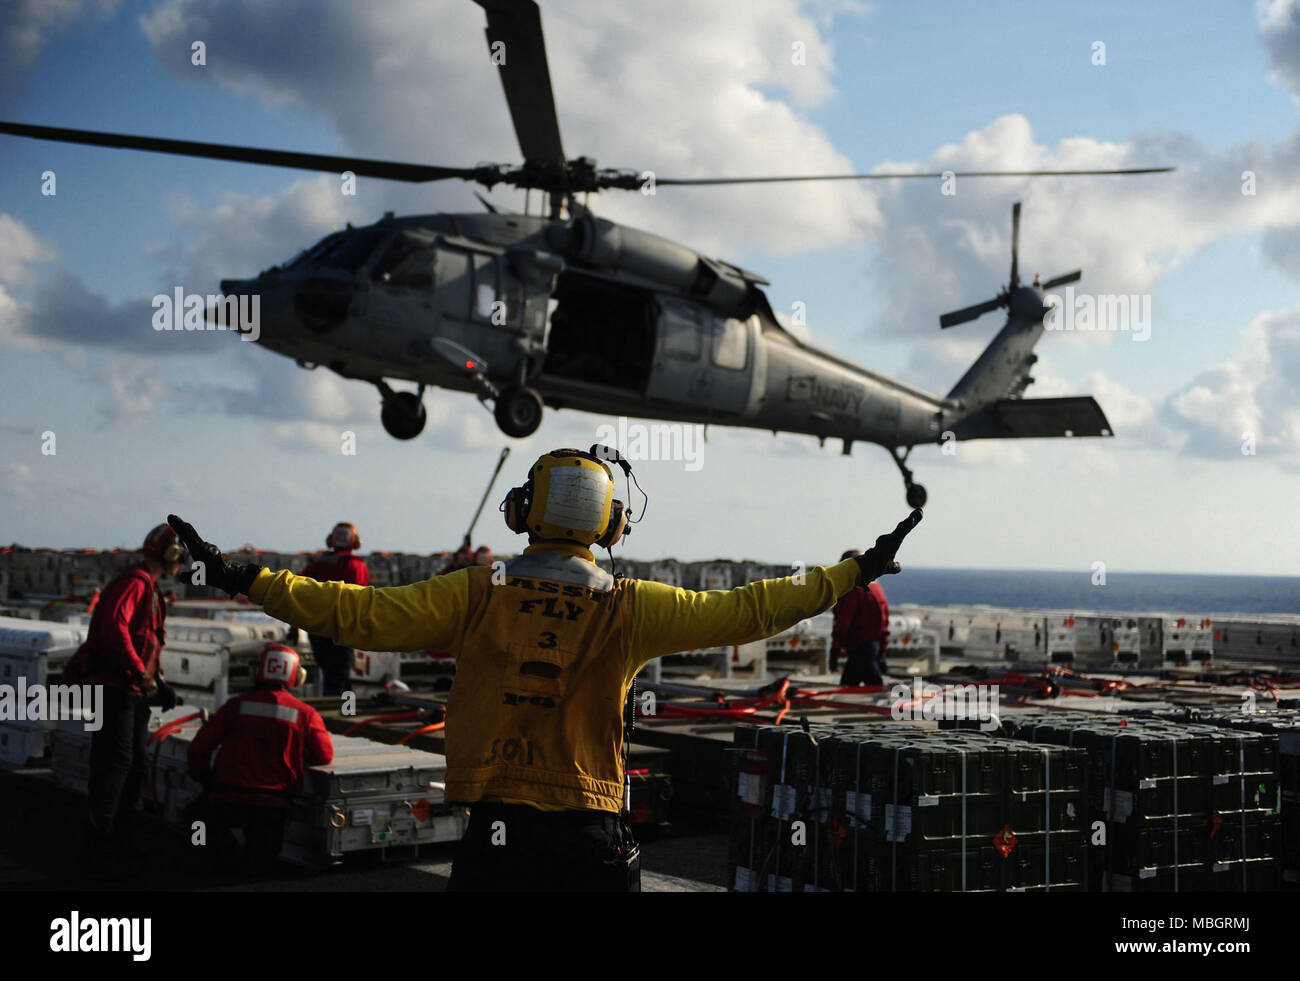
[[313, 250], [352, 250]]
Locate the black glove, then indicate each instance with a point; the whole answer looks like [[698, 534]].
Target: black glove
[[234, 578], [165, 696], [878, 560]]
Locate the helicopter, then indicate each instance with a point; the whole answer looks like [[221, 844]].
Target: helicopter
[[569, 310]]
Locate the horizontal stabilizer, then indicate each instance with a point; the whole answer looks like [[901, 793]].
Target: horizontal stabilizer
[[1078, 415]]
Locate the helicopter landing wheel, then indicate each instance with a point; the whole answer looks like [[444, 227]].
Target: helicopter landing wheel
[[518, 411], [916, 496], [403, 415]]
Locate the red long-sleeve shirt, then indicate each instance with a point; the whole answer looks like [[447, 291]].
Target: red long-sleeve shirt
[[126, 632], [860, 615], [265, 739], [338, 567]]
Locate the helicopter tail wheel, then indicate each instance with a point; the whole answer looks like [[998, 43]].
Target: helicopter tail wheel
[[518, 411], [403, 415], [916, 495]]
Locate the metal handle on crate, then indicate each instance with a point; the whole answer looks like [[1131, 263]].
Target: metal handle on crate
[[337, 817]]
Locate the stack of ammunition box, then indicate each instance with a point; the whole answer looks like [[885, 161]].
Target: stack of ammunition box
[[1173, 806], [889, 807]]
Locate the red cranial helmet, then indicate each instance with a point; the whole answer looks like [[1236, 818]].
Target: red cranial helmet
[[163, 545], [280, 665]]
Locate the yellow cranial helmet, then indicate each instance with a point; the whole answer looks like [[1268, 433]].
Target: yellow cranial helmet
[[567, 498]]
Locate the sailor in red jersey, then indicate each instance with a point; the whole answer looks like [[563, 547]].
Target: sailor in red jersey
[[264, 740], [861, 633], [340, 566], [121, 653]]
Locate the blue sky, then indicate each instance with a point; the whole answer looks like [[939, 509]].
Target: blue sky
[[1211, 89]]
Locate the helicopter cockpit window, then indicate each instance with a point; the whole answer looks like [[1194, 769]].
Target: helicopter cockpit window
[[486, 286], [730, 343], [681, 333], [352, 250], [406, 262]]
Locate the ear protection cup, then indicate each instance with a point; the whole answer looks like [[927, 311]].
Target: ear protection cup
[[162, 544], [617, 525], [515, 508], [343, 536]]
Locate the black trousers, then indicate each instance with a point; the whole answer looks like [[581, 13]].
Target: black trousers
[[517, 848], [117, 767], [862, 665], [262, 829], [335, 663]]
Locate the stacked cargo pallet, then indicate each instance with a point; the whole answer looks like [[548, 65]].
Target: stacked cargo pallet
[[889, 807], [371, 798], [1285, 725], [1183, 807]]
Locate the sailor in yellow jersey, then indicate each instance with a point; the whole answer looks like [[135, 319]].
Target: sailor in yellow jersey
[[545, 656]]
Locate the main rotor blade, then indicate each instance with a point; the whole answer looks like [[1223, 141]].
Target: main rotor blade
[[970, 313], [890, 177], [1070, 277], [1015, 246], [415, 173], [514, 34]]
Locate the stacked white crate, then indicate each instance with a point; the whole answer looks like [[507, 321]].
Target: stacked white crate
[[907, 634], [1273, 639], [1186, 640], [34, 650], [1062, 638], [70, 748], [1125, 641], [669, 572], [808, 640], [712, 575], [208, 660]]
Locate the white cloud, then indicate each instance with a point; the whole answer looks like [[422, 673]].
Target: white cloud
[[1249, 398], [20, 248], [1279, 26], [27, 26]]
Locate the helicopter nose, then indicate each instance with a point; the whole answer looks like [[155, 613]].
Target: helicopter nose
[[239, 307]]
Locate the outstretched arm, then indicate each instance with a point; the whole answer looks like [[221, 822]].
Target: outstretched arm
[[402, 618], [396, 618], [666, 619]]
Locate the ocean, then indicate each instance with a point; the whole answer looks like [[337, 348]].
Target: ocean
[[1123, 592]]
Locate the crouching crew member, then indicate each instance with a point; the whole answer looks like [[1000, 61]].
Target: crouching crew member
[[861, 633], [340, 565], [264, 739], [121, 653], [535, 737]]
